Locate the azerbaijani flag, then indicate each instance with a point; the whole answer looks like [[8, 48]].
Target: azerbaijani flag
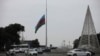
[[40, 23]]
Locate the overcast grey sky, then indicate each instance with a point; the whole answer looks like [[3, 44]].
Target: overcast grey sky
[[65, 18]]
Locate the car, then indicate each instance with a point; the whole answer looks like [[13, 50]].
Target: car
[[16, 50], [40, 50], [31, 52], [10, 53], [47, 49], [78, 52], [24, 49]]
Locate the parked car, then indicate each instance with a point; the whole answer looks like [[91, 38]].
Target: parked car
[[16, 50], [78, 52], [10, 53], [23, 49], [40, 50], [30, 52], [47, 49]]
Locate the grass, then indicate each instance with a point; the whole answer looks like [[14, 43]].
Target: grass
[[64, 51], [97, 51], [59, 51]]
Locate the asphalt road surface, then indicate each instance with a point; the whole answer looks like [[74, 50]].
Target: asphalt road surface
[[45, 54]]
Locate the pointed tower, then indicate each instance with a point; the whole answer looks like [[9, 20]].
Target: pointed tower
[[88, 38]]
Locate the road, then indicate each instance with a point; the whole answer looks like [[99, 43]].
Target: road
[[45, 54]]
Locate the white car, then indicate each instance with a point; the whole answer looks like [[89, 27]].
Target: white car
[[40, 50], [10, 52], [31, 52], [16, 50], [78, 52]]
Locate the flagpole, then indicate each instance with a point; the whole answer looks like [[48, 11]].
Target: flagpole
[[46, 25]]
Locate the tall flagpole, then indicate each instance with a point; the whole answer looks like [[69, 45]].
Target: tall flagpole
[[46, 25]]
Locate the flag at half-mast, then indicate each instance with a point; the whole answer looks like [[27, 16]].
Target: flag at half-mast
[[40, 23]]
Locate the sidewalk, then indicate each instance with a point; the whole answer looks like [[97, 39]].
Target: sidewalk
[[97, 55], [2, 54]]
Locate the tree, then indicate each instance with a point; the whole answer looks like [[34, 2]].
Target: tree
[[2, 39], [35, 43], [9, 35], [98, 35], [76, 43], [12, 30]]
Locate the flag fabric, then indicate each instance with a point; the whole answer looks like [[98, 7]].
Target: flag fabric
[[40, 23]]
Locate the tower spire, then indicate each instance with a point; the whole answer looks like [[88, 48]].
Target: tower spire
[[88, 38]]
